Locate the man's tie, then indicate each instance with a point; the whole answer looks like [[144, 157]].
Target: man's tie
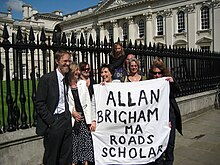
[[65, 87]]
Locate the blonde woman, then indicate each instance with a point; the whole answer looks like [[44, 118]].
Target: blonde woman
[[83, 117], [133, 69]]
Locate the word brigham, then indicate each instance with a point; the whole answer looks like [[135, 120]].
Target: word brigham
[[126, 117]]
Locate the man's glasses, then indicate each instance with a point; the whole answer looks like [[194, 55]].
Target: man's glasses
[[155, 73]]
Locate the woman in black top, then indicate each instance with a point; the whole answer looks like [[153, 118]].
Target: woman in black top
[[117, 59], [158, 70]]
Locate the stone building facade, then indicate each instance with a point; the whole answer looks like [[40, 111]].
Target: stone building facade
[[190, 24]]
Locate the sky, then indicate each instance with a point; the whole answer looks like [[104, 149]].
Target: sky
[[46, 6]]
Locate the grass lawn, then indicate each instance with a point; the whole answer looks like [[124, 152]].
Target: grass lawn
[[28, 102]]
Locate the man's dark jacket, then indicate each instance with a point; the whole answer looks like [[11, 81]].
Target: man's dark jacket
[[47, 98]]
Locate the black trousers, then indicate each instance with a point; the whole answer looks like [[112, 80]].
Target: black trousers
[[167, 158], [169, 152], [58, 142]]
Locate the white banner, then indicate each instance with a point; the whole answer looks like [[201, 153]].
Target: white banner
[[132, 122]]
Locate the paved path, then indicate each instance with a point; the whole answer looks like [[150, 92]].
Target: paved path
[[200, 144]]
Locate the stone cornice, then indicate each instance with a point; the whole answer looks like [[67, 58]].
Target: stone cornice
[[48, 16], [119, 5], [165, 13]]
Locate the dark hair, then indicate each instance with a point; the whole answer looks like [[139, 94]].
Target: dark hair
[[106, 66], [82, 65], [158, 63]]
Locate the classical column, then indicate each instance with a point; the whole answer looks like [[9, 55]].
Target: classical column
[[102, 31], [115, 30], [216, 25], [132, 30], [191, 25], [148, 27], [168, 26]]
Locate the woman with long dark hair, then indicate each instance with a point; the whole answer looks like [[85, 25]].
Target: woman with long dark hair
[[158, 70]]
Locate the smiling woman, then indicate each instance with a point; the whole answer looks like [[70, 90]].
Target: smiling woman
[[106, 73]]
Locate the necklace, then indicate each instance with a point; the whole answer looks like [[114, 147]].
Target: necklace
[[135, 78]]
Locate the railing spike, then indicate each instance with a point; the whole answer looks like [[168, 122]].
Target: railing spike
[[54, 38], [82, 40], [64, 40], [90, 40], [19, 35], [42, 36], [5, 33], [73, 39], [31, 35], [105, 42]]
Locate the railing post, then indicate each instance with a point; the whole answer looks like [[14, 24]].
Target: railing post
[[16, 109], [44, 50], [22, 94], [82, 46], [9, 99], [33, 80], [54, 46], [98, 57]]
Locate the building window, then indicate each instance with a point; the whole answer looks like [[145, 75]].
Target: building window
[[205, 48], [159, 25], [141, 28], [125, 30], [110, 33], [205, 17], [181, 21]]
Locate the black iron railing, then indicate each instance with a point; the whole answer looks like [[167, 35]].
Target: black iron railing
[[27, 58]]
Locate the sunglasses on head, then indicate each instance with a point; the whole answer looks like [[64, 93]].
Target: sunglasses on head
[[154, 73]]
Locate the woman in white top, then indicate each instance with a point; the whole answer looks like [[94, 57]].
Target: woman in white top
[[83, 117]]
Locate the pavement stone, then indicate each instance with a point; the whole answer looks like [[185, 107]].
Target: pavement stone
[[200, 143]]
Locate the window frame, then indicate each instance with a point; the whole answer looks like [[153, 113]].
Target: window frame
[[125, 30], [181, 22], [110, 32], [141, 28], [205, 18], [160, 28]]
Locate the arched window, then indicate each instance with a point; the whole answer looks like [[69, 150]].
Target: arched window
[[181, 21], [159, 25], [110, 33], [205, 17], [141, 28], [125, 30]]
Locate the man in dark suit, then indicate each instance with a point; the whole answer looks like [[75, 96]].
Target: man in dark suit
[[54, 118]]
